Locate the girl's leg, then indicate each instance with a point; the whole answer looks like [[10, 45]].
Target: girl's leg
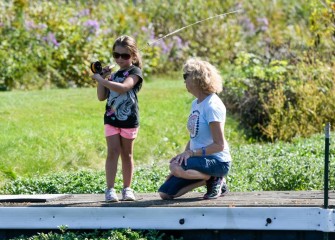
[[113, 153], [127, 147]]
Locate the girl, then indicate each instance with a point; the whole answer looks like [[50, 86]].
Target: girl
[[121, 117]]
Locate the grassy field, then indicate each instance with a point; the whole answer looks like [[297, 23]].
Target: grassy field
[[54, 130], [52, 141]]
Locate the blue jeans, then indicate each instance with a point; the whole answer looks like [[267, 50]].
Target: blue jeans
[[208, 165]]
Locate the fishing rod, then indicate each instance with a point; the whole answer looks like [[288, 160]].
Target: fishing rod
[[149, 44], [96, 67]]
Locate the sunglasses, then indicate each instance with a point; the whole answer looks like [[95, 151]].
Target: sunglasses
[[124, 56], [185, 75]]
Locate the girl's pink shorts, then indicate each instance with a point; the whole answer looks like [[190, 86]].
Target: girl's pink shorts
[[129, 133]]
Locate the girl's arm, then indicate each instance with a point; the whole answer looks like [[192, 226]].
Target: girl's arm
[[102, 92], [120, 88]]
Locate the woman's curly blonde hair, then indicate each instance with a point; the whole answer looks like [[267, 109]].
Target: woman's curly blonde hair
[[204, 74]]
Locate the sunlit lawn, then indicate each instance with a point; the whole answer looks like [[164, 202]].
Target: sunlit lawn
[[52, 130]]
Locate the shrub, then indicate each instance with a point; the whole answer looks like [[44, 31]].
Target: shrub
[[256, 167], [276, 100], [51, 44], [117, 234]]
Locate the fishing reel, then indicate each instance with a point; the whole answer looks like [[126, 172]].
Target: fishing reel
[[96, 67]]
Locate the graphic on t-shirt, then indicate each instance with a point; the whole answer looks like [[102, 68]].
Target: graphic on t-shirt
[[120, 106], [193, 123], [110, 112]]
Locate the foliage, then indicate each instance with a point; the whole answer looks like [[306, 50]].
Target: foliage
[[282, 166], [58, 40], [117, 234], [85, 181], [286, 89], [256, 167], [278, 100], [293, 43]]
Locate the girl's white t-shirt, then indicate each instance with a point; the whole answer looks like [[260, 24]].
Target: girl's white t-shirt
[[211, 109]]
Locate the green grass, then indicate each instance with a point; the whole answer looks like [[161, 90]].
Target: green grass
[[269, 167], [45, 131], [52, 141], [50, 131]]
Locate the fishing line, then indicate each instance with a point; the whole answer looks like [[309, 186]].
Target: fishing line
[[149, 44], [97, 68]]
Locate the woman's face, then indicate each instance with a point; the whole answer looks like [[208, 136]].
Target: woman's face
[[189, 83], [122, 57]]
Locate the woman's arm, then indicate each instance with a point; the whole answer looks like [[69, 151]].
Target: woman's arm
[[217, 131]]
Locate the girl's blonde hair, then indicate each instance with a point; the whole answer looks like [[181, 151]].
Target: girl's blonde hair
[[129, 43], [206, 76]]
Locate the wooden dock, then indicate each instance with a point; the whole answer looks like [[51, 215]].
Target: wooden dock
[[283, 211], [233, 199]]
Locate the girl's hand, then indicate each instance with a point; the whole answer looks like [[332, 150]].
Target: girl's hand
[[106, 71], [180, 158], [96, 76]]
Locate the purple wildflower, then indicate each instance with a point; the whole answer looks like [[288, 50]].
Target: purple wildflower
[[178, 41], [166, 48], [92, 25], [149, 31], [51, 39], [73, 20], [42, 26], [30, 25], [84, 12], [264, 24]]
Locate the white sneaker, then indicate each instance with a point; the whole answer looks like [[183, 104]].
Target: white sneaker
[[110, 195], [128, 194]]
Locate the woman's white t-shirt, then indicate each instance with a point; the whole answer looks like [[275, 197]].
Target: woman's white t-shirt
[[211, 109]]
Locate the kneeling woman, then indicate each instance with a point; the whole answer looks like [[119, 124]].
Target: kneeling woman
[[206, 159]]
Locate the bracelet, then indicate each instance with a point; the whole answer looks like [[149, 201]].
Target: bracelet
[[203, 151]]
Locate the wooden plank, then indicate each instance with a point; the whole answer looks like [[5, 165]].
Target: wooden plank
[[193, 199], [40, 198]]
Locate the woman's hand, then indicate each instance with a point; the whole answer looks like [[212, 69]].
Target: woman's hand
[[182, 157]]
